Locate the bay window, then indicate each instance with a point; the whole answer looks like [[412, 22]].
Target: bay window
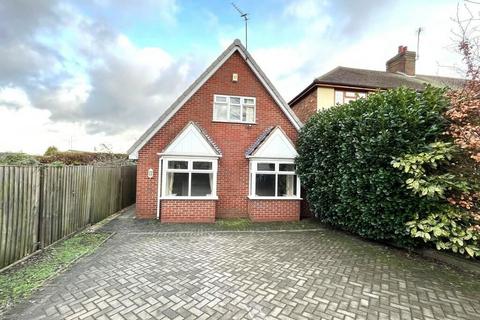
[[274, 179], [189, 178], [234, 109]]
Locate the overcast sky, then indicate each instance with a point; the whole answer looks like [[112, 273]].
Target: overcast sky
[[77, 74]]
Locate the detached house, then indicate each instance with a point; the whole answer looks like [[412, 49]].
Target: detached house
[[224, 148], [343, 84]]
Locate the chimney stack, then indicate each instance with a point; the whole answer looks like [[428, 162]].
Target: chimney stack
[[403, 62]]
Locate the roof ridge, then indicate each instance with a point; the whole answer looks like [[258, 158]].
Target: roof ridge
[[445, 77]]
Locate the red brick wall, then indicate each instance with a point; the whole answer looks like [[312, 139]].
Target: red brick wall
[[233, 139], [307, 106], [274, 210], [179, 211]]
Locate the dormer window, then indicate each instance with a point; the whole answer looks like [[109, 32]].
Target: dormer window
[[234, 109]]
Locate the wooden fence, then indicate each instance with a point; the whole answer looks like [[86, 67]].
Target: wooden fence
[[40, 205]]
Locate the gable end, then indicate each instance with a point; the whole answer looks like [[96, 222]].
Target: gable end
[[236, 46]]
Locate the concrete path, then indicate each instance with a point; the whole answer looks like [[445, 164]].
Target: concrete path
[[142, 273]]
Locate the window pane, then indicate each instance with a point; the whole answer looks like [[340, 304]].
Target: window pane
[[287, 167], [339, 97], [248, 114], [177, 184], [248, 101], [202, 184], [177, 165], [266, 166], [234, 100], [235, 112], [221, 111], [265, 185], [220, 99], [202, 165], [287, 185], [350, 94]]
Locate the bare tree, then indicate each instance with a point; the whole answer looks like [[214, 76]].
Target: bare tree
[[464, 112]]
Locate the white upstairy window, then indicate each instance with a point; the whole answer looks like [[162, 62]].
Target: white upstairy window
[[234, 109]]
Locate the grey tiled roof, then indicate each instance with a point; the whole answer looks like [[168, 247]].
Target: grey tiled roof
[[382, 79], [438, 81], [262, 137]]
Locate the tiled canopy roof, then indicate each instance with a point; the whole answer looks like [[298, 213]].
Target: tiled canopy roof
[[209, 139], [262, 137]]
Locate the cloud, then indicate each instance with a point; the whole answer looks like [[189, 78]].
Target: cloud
[[305, 9], [23, 58], [131, 87], [128, 11], [89, 73], [76, 68], [34, 130], [362, 34]]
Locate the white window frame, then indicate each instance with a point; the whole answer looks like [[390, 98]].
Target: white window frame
[[348, 95], [242, 104], [254, 171], [164, 165]]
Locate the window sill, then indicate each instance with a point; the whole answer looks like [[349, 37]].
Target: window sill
[[188, 198], [274, 198], [235, 122]]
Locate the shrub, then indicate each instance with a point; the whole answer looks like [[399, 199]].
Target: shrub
[[51, 151], [14, 158], [429, 174], [449, 228], [82, 158], [345, 156], [433, 177]]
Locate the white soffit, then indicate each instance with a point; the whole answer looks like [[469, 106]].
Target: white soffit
[[191, 142]]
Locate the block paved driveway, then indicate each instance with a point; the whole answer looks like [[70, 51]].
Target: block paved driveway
[[144, 273]]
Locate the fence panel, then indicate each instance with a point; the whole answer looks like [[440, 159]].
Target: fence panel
[[19, 200], [65, 206], [107, 195], [40, 205]]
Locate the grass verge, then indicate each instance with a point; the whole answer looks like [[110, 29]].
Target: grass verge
[[246, 224], [22, 279]]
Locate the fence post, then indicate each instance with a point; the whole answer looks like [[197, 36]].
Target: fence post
[[91, 195], [41, 221]]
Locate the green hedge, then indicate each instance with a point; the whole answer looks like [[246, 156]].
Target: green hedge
[[345, 156]]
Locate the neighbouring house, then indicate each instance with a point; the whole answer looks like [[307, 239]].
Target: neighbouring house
[[343, 84], [225, 148]]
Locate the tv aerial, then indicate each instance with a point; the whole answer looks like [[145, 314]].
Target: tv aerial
[[245, 17]]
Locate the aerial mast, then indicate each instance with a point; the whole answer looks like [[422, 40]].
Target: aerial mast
[[245, 17], [419, 30]]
